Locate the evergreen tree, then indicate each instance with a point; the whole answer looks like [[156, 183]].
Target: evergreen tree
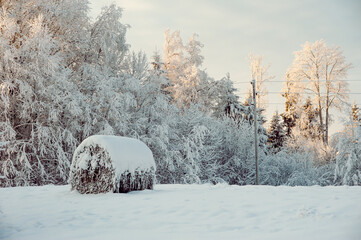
[[157, 64], [292, 97], [356, 114], [248, 116], [308, 122], [225, 98], [136, 65], [276, 134]]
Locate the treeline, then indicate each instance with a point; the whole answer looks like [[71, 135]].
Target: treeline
[[64, 78]]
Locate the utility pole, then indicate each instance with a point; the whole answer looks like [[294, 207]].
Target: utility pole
[[255, 127]]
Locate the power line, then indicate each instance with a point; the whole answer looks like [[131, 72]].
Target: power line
[[282, 104], [309, 93], [285, 102], [279, 81]]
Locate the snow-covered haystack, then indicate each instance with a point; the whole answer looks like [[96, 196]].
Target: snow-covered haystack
[[110, 163]]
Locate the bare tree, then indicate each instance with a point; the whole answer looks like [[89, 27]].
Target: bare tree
[[321, 72], [259, 72]]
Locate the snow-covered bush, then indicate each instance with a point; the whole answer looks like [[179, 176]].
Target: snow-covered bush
[[315, 149], [228, 152], [294, 169], [348, 158], [112, 164], [276, 169]]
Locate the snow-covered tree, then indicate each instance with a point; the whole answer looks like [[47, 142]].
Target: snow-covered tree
[[153, 120], [157, 63], [276, 134], [356, 114], [101, 75], [173, 60], [182, 67], [227, 154], [136, 65], [225, 97], [292, 99], [67, 22], [322, 71], [107, 39], [40, 108], [307, 124], [348, 156], [248, 116]]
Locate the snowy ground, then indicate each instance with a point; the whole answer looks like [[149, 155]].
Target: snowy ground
[[182, 212]]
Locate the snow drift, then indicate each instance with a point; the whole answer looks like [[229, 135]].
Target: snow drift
[[111, 163]]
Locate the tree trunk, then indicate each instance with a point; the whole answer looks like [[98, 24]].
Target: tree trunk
[[327, 117], [321, 122], [320, 113]]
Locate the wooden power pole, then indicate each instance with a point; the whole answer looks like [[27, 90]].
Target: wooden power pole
[[255, 127]]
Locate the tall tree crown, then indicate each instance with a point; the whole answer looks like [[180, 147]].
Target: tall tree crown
[[321, 72]]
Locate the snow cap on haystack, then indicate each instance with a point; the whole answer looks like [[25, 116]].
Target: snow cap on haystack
[[111, 163]]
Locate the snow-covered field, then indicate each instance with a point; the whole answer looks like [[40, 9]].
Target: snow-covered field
[[182, 212]]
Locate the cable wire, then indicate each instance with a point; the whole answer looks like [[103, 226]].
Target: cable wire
[[279, 81]]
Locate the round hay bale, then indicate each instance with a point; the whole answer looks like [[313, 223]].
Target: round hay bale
[[112, 164]]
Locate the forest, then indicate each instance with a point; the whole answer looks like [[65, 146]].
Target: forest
[[65, 77]]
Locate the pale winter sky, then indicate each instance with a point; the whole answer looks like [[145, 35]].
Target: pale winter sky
[[232, 29]]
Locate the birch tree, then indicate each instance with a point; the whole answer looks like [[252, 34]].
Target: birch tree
[[321, 72], [259, 72], [182, 66]]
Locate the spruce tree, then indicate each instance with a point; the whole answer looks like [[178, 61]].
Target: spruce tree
[[276, 134], [356, 114], [308, 122], [292, 97]]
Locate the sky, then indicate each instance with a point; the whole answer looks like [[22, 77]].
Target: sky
[[230, 30]]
